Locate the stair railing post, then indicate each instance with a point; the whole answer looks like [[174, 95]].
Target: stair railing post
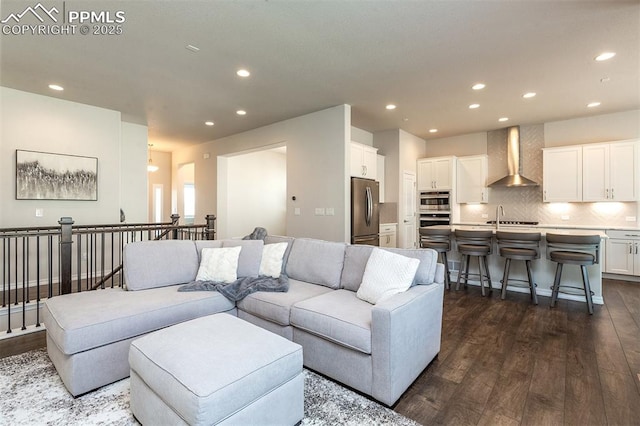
[[210, 231], [174, 222], [66, 243]]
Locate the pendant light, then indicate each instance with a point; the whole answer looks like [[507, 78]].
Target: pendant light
[[150, 166]]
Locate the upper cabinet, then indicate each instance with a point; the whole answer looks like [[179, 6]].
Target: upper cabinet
[[471, 182], [562, 174], [364, 161], [435, 173], [608, 172], [590, 173]]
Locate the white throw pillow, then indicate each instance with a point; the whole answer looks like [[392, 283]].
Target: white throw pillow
[[219, 264], [271, 263], [386, 274]]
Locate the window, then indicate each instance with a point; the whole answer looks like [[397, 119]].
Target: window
[[157, 203]]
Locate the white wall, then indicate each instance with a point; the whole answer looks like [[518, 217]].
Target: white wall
[[256, 193], [596, 128], [133, 176], [41, 123], [361, 136], [317, 169], [470, 144]]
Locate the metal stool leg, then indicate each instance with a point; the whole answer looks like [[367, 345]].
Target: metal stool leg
[[587, 288], [447, 276], [532, 285], [486, 269], [556, 285], [505, 278], [481, 275], [461, 271]]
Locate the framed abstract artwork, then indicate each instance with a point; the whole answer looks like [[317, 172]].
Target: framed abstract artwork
[[48, 176]]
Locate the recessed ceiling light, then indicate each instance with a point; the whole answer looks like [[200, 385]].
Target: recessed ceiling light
[[390, 106], [605, 56], [605, 80], [56, 87], [433, 130], [405, 119], [192, 48], [529, 95], [241, 112], [209, 123], [478, 86], [243, 73], [474, 106], [593, 104], [503, 119]]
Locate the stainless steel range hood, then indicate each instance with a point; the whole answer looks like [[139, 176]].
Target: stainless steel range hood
[[514, 178]]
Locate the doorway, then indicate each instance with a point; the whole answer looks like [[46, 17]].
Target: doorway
[[252, 192]]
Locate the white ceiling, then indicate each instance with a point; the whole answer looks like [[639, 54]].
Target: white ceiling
[[305, 56]]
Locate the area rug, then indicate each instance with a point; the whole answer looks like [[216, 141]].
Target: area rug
[[33, 394]]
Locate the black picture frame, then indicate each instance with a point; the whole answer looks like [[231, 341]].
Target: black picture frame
[[50, 176]]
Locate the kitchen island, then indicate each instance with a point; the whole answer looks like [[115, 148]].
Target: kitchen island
[[543, 269]]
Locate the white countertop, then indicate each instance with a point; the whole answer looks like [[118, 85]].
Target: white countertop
[[542, 229], [555, 226]]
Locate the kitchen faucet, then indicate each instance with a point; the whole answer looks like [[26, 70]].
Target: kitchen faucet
[[499, 209]]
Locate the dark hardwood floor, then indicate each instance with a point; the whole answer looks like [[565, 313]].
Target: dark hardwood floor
[[512, 363]]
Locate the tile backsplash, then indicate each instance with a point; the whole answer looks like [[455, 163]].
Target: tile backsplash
[[526, 203]]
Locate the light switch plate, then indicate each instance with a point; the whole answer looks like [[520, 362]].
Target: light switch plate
[[630, 218], [296, 211], [39, 212], [330, 211], [319, 211]]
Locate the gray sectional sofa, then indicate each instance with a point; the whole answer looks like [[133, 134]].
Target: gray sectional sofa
[[378, 349]]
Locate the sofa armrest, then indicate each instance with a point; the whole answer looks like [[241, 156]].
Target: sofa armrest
[[405, 337]]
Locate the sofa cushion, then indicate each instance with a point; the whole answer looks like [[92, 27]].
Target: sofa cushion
[[276, 307], [338, 316], [428, 259], [316, 261], [273, 239], [200, 244], [386, 274], [219, 264], [355, 260], [250, 256], [272, 259], [150, 264], [81, 321]]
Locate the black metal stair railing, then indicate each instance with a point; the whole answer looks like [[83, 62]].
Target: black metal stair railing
[[42, 262]]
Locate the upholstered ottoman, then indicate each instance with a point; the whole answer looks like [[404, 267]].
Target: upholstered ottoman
[[216, 369]]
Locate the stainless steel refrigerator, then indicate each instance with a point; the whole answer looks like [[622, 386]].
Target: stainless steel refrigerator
[[365, 222]]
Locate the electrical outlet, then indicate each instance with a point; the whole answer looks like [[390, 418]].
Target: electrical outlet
[[296, 211], [319, 211], [630, 218], [39, 212], [330, 211], [485, 216], [565, 217]]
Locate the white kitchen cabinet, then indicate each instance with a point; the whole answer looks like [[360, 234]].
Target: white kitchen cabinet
[[380, 174], [562, 174], [608, 172], [435, 173], [623, 253], [364, 161], [471, 181], [388, 235]]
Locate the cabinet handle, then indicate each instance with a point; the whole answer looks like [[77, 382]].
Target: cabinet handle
[[606, 193], [612, 197], [636, 248], [630, 248]]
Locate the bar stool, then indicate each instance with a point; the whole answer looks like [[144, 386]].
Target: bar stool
[[519, 246], [580, 250], [438, 239], [478, 244]]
